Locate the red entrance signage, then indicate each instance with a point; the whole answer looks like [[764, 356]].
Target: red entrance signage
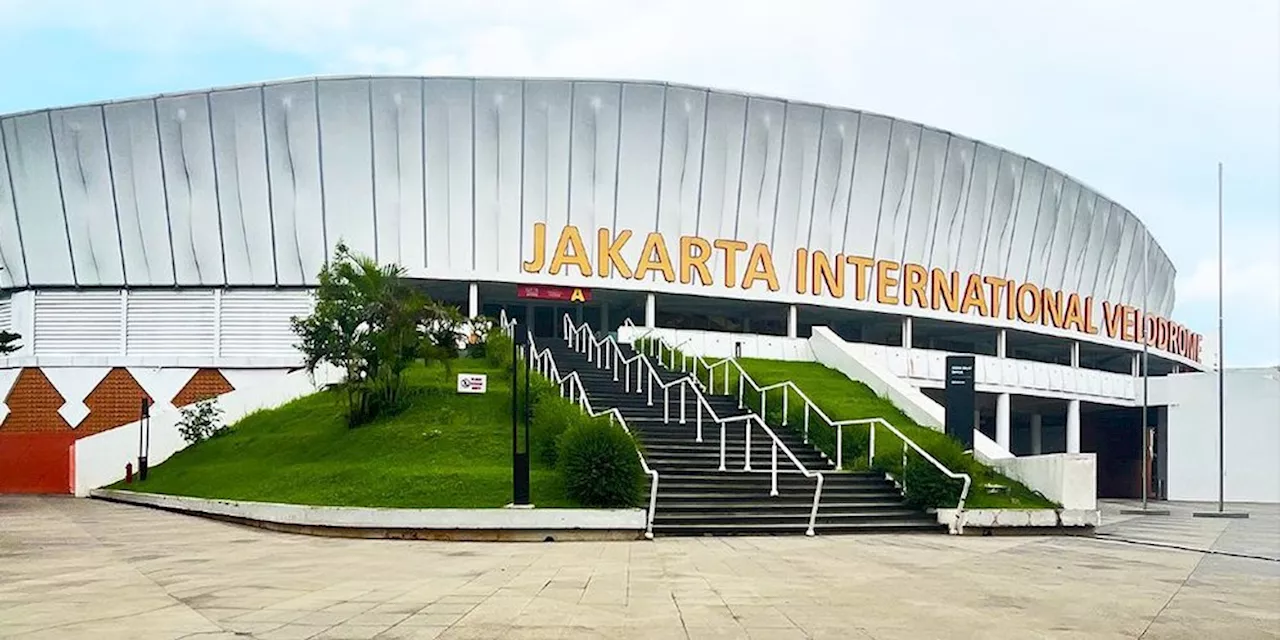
[[559, 294]]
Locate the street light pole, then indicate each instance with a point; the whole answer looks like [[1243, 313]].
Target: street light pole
[[1222, 402], [519, 458]]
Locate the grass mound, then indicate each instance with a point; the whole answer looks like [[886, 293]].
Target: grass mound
[[844, 399], [445, 450]]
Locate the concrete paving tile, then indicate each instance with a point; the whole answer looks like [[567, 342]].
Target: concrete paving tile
[[352, 632], [293, 632], [117, 571], [401, 632]]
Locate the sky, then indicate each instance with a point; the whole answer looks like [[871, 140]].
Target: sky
[[1138, 99]]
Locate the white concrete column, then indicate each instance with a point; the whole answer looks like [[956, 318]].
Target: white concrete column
[[792, 321], [1075, 354], [1073, 426], [1002, 344], [473, 300], [906, 332], [1036, 429], [650, 310], [1002, 421]]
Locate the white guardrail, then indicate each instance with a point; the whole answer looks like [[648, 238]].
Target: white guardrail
[[656, 347], [606, 353], [544, 363]]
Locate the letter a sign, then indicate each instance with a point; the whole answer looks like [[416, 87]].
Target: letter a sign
[[577, 296]]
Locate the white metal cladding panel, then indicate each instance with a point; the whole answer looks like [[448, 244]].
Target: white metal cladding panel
[[75, 323], [170, 323], [252, 186], [257, 323]]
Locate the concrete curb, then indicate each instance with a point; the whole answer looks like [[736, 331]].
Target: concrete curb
[[1027, 521], [536, 525]]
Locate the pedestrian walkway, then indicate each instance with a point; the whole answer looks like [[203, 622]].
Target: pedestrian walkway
[[74, 568]]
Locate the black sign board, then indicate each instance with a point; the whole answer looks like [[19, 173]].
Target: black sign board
[[960, 399]]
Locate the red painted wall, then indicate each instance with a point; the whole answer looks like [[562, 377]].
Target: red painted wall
[[36, 462]]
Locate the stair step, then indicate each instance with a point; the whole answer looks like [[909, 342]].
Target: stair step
[[734, 528], [695, 498]]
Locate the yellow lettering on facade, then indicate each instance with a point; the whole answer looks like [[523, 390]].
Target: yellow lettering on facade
[[861, 275], [760, 267], [609, 253], [577, 296], [1054, 310], [1028, 303], [1090, 327], [915, 285], [818, 273], [828, 274], [694, 253], [802, 272], [731, 249], [946, 290], [973, 296], [1075, 315], [570, 252], [539, 259], [997, 288], [654, 257], [886, 280]]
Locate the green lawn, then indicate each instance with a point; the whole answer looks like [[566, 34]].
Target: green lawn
[[844, 399], [445, 450]]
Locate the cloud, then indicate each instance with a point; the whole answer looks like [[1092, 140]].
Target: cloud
[[1137, 99]]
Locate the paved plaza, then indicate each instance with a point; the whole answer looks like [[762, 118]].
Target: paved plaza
[[76, 568]]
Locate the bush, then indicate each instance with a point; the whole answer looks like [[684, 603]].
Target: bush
[[552, 416], [929, 488], [201, 421], [497, 350], [599, 464]]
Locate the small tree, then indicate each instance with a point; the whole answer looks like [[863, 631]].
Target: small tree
[[440, 334], [9, 342], [201, 421], [365, 322]]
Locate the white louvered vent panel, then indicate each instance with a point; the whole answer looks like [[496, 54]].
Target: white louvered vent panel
[[256, 323], [6, 313], [77, 323], [171, 323]]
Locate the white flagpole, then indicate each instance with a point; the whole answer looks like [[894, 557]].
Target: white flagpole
[[1222, 407], [1146, 339]]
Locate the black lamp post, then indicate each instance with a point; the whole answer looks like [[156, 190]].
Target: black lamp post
[[144, 439], [519, 454]]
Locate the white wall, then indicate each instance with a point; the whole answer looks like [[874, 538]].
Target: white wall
[[927, 368], [1070, 479], [100, 458], [184, 328], [717, 344], [1252, 434]]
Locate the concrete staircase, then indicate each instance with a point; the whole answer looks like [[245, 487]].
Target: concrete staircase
[[696, 498]]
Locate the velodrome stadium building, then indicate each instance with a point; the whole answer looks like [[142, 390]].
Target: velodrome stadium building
[[158, 247]]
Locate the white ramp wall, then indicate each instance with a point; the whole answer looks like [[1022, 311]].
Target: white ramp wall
[[1070, 479], [717, 344], [1252, 434], [100, 458]]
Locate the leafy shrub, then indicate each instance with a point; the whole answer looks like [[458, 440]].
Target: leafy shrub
[[599, 464], [929, 488], [497, 350], [552, 416], [201, 421]]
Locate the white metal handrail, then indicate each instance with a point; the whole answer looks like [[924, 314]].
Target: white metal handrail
[[543, 361], [583, 340], [810, 407]]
